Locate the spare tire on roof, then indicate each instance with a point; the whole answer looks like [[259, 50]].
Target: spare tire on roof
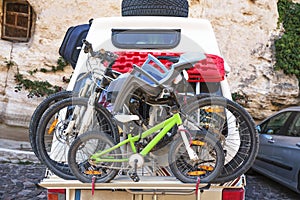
[[175, 8]]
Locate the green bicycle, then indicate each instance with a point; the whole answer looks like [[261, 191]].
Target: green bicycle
[[95, 154], [194, 155]]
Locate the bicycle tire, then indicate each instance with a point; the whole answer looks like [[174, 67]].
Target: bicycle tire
[[87, 144], [236, 128], [50, 133], [209, 165], [38, 112], [174, 8]]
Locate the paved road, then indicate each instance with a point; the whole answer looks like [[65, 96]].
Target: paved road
[[260, 187]]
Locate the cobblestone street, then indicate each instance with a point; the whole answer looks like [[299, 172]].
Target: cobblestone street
[[20, 182], [260, 187]]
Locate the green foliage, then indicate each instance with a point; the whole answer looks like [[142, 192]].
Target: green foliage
[[39, 88], [288, 46], [9, 64], [35, 88], [61, 64]]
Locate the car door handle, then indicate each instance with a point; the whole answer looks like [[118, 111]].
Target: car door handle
[[298, 144], [271, 141]]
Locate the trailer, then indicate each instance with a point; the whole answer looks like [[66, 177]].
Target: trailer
[[148, 188]]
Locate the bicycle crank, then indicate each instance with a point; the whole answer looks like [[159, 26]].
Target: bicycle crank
[[135, 161]]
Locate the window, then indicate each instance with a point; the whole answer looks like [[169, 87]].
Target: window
[[145, 39], [274, 125], [17, 20], [294, 129]]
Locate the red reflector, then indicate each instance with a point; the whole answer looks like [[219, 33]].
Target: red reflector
[[56, 194], [61, 191], [233, 194]]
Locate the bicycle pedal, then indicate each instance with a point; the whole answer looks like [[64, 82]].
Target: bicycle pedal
[[134, 177]]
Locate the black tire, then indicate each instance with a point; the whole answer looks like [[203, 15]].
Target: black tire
[[86, 145], [235, 128], [37, 114], [209, 166], [175, 8], [50, 133]]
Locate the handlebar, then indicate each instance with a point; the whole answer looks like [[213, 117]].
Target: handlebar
[[101, 54]]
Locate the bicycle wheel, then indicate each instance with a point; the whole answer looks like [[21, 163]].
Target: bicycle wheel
[[85, 168], [234, 127], [58, 128], [209, 165], [37, 114]]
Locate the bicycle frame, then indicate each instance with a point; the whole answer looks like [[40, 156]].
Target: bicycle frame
[[165, 126]]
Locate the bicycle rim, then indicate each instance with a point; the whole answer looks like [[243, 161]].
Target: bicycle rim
[[206, 168], [42, 107], [52, 139], [233, 126], [84, 168]]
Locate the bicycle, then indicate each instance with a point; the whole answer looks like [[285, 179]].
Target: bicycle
[[100, 157], [70, 116], [227, 120], [81, 89], [154, 87], [228, 172], [234, 128]]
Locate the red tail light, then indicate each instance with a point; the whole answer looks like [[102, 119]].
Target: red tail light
[[209, 70], [233, 194], [56, 194]]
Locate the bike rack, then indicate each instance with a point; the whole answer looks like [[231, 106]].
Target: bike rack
[[148, 185]]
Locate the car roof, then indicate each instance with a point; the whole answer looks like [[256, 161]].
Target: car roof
[[293, 108]]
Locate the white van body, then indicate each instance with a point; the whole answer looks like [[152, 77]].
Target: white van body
[[196, 35]]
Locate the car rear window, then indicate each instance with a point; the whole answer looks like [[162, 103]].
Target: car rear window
[[145, 39]]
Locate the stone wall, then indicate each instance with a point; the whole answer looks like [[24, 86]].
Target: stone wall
[[245, 31]]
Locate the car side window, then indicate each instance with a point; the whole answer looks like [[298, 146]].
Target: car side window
[[274, 125], [294, 128]]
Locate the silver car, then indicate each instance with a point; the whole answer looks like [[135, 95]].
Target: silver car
[[279, 148]]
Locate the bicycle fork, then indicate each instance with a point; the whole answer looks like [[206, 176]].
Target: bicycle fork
[[89, 113], [192, 154], [83, 116]]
